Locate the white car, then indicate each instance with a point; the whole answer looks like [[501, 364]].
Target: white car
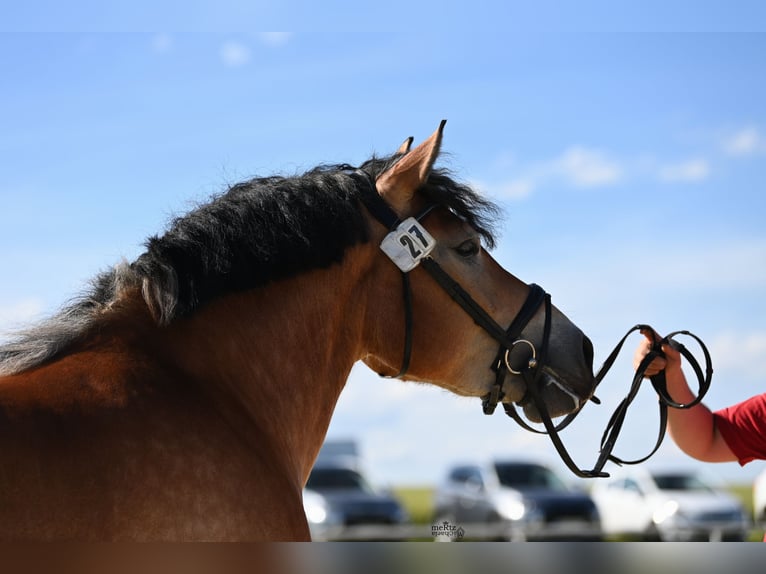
[[668, 505], [759, 497]]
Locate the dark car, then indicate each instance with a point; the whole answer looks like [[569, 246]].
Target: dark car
[[515, 500], [350, 499]]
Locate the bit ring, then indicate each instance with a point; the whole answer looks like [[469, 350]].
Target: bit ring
[[532, 360]]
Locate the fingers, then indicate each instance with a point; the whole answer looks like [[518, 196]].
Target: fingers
[[672, 358], [658, 364], [641, 350], [673, 355], [651, 335], [651, 338]]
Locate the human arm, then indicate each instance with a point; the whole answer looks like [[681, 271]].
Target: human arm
[[694, 429]]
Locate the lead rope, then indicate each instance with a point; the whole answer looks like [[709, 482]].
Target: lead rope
[[614, 426]]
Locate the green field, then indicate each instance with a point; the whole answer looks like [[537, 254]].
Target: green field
[[418, 500]]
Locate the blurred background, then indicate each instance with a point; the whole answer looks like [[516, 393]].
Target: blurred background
[[626, 148]]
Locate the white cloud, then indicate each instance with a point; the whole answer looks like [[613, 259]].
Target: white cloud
[[693, 170], [234, 54], [577, 166], [589, 168], [514, 189], [517, 189], [275, 39], [581, 167], [585, 167], [747, 141]]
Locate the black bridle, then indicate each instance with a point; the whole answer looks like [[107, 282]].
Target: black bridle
[[508, 338], [408, 245]]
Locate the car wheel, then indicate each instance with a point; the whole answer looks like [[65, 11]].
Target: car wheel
[[652, 534]]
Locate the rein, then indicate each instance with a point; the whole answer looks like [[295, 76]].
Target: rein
[[409, 245], [614, 426]]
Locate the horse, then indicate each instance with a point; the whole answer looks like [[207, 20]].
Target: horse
[[185, 395]]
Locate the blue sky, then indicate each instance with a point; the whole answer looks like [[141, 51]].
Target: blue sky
[[630, 167]]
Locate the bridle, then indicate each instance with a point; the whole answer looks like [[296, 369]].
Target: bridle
[[409, 245]]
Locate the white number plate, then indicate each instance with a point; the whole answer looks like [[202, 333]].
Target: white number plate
[[408, 244]]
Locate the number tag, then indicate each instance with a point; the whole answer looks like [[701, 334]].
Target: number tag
[[408, 244]]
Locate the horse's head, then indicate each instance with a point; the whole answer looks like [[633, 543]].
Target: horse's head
[[451, 343]]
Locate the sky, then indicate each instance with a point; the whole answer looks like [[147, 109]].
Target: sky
[[629, 161]]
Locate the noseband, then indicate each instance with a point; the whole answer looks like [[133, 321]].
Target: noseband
[[409, 245]]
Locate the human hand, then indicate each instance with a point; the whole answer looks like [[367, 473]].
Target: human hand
[[671, 361]]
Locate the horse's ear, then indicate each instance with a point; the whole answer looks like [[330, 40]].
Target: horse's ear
[[399, 184], [405, 147]]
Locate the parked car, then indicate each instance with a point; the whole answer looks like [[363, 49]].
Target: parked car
[[668, 505], [340, 496], [324, 523], [759, 498], [515, 500]]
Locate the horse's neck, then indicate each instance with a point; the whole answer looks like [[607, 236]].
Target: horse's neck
[[282, 353]]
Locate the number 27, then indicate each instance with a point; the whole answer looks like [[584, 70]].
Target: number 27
[[409, 242]]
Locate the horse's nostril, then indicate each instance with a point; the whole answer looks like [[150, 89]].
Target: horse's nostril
[[587, 349]]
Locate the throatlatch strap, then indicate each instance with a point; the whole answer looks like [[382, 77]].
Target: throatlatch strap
[[407, 355]]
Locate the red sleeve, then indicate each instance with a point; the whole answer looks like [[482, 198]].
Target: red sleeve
[[743, 427]]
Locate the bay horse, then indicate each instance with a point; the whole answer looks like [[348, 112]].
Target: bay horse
[[186, 395]]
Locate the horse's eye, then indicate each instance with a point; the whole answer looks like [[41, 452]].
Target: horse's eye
[[468, 248]]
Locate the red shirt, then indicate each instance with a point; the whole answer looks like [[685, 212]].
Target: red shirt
[[743, 427]]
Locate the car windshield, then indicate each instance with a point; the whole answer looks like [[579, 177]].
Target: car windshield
[[687, 482], [528, 476], [337, 479]]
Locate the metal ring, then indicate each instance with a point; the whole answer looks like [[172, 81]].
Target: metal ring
[[532, 360]]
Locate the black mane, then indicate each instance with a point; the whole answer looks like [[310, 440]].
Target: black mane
[[258, 231]]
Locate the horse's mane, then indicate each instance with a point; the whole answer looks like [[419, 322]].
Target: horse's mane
[[256, 232]]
